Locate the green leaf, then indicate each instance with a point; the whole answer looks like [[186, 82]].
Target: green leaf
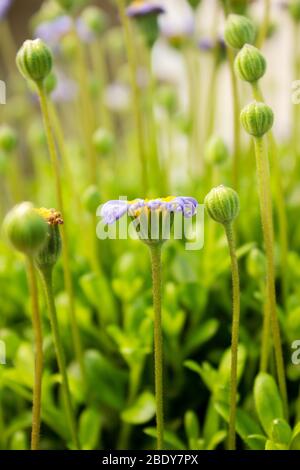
[[89, 429], [92, 285], [271, 445], [256, 441], [216, 440], [211, 422], [281, 432], [225, 365], [245, 424], [105, 382], [267, 401], [170, 438], [191, 426], [142, 411], [19, 441], [207, 373], [295, 441], [200, 336]]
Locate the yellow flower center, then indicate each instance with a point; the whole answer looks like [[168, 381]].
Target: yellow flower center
[[50, 215]]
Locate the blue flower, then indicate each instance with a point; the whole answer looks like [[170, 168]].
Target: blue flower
[[4, 7], [143, 8], [114, 210]]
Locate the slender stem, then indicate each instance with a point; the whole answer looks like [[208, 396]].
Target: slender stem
[[99, 65], [46, 276], [265, 198], [155, 251], [135, 92], [265, 344], [64, 235], [280, 203], [38, 371], [236, 113], [236, 122], [211, 100], [265, 24], [234, 335], [87, 114]]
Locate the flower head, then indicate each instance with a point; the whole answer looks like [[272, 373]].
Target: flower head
[[4, 7], [144, 8], [114, 210], [48, 254], [51, 216]]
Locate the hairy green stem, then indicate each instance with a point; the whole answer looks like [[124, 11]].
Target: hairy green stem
[[265, 198], [155, 251], [46, 276], [38, 371], [135, 93], [280, 203], [265, 343], [64, 235], [234, 335]]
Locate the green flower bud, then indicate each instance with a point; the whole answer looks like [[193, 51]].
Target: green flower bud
[[34, 60], [91, 199], [8, 139], [257, 119], [239, 31], [216, 151], [256, 264], [103, 141], [71, 5], [236, 6], [25, 228], [47, 256], [294, 9], [194, 3], [250, 65], [95, 19], [222, 204]]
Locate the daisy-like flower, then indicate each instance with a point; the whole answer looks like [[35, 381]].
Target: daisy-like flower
[[144, 8], [52, 216], [114, 210], [48, 255], [4, 7], [146, 14]]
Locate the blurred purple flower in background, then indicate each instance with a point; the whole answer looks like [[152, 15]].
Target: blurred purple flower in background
[[143, 8], [4, 7], [53, 30], [66, 89]]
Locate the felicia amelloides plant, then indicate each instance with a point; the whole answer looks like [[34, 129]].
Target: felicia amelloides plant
[[34, 60], [153, 218], [223, 206]]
